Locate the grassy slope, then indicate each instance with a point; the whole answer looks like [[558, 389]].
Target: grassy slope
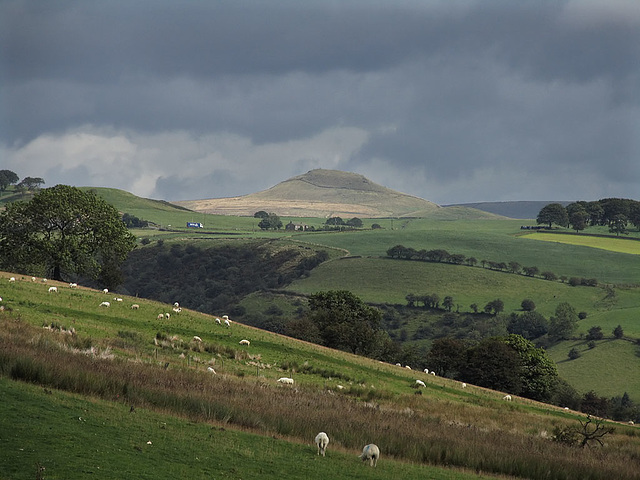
[[69, 434], [104, 440], [494, 240]]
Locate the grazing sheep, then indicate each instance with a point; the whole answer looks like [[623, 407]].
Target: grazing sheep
[[420, 383], [426, 370], [339, 387], [44, 280], [370, 453], [407, 367], [218, 321], [507, 398], [33, 279], [12, 279], [322, 440], [106, 290], [398, 365], [73, 285], [286, 380], [53, 289], [197, 338], [245, 342], [210, 369], [135, 306], [105, 304], [176, 304], [160, 316], [464, 385], [177, 309], [167, 315], [432, 373], [117, 299], [227, 323]]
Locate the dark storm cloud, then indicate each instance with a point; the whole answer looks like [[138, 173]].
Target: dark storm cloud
[[451, 101]]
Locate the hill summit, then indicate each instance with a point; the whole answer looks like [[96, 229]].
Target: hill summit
[[321, 193]]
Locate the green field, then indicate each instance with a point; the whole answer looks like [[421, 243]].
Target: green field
[[621, 245], [377, 279], [74, 417]]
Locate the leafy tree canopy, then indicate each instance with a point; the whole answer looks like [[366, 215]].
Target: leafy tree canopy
[[7, 177], [564, 322], [347, 323], [64, 231], [553, 213]]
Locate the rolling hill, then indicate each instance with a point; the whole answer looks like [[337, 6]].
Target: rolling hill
[[129, 394], [325, 193]]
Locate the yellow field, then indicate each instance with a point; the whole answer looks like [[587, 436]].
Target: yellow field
[[613, 244]]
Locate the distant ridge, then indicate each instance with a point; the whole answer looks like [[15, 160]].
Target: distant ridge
[[321, 193], [517, 209]]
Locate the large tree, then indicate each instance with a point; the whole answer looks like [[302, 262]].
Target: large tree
[[65, 231], [564, 322], [538, 372], [7, 177], [553, 213], [347, 323]]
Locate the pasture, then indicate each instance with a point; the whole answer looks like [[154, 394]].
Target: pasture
[[613, 244], [239, 422]]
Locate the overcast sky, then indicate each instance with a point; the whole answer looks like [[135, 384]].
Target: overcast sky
[[451, 101]]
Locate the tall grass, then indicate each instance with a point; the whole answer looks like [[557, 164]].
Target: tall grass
[[415, 428]]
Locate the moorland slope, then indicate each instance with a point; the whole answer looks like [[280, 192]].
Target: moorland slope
[[325, 193]]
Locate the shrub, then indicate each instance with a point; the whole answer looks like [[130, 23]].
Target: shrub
[[574, 353], [595, 333], [528, 305], [582, 315]]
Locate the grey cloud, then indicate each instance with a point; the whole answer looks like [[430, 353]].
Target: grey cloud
[[446, 91]]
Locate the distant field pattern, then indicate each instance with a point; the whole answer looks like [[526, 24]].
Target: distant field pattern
[[620, 245]]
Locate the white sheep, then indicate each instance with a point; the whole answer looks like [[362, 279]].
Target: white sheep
[[73, 285], [227, 323], [105, 304], [135, 306], [286, 380], [210, 369], [177, 309], [53, 289], [167, 315], [244, 341], [420, 383], [33, 279], [106, 290], [432, 373], [218, 321], [464, 385], [117, 299], [371, 453], [176, 304], [44, 280], [197, 338], [507, 398], [12, 279], [322, 440], [426, 370], [160, 316]]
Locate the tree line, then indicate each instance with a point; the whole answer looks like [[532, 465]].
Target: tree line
[[442, 256], [616, 213]]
